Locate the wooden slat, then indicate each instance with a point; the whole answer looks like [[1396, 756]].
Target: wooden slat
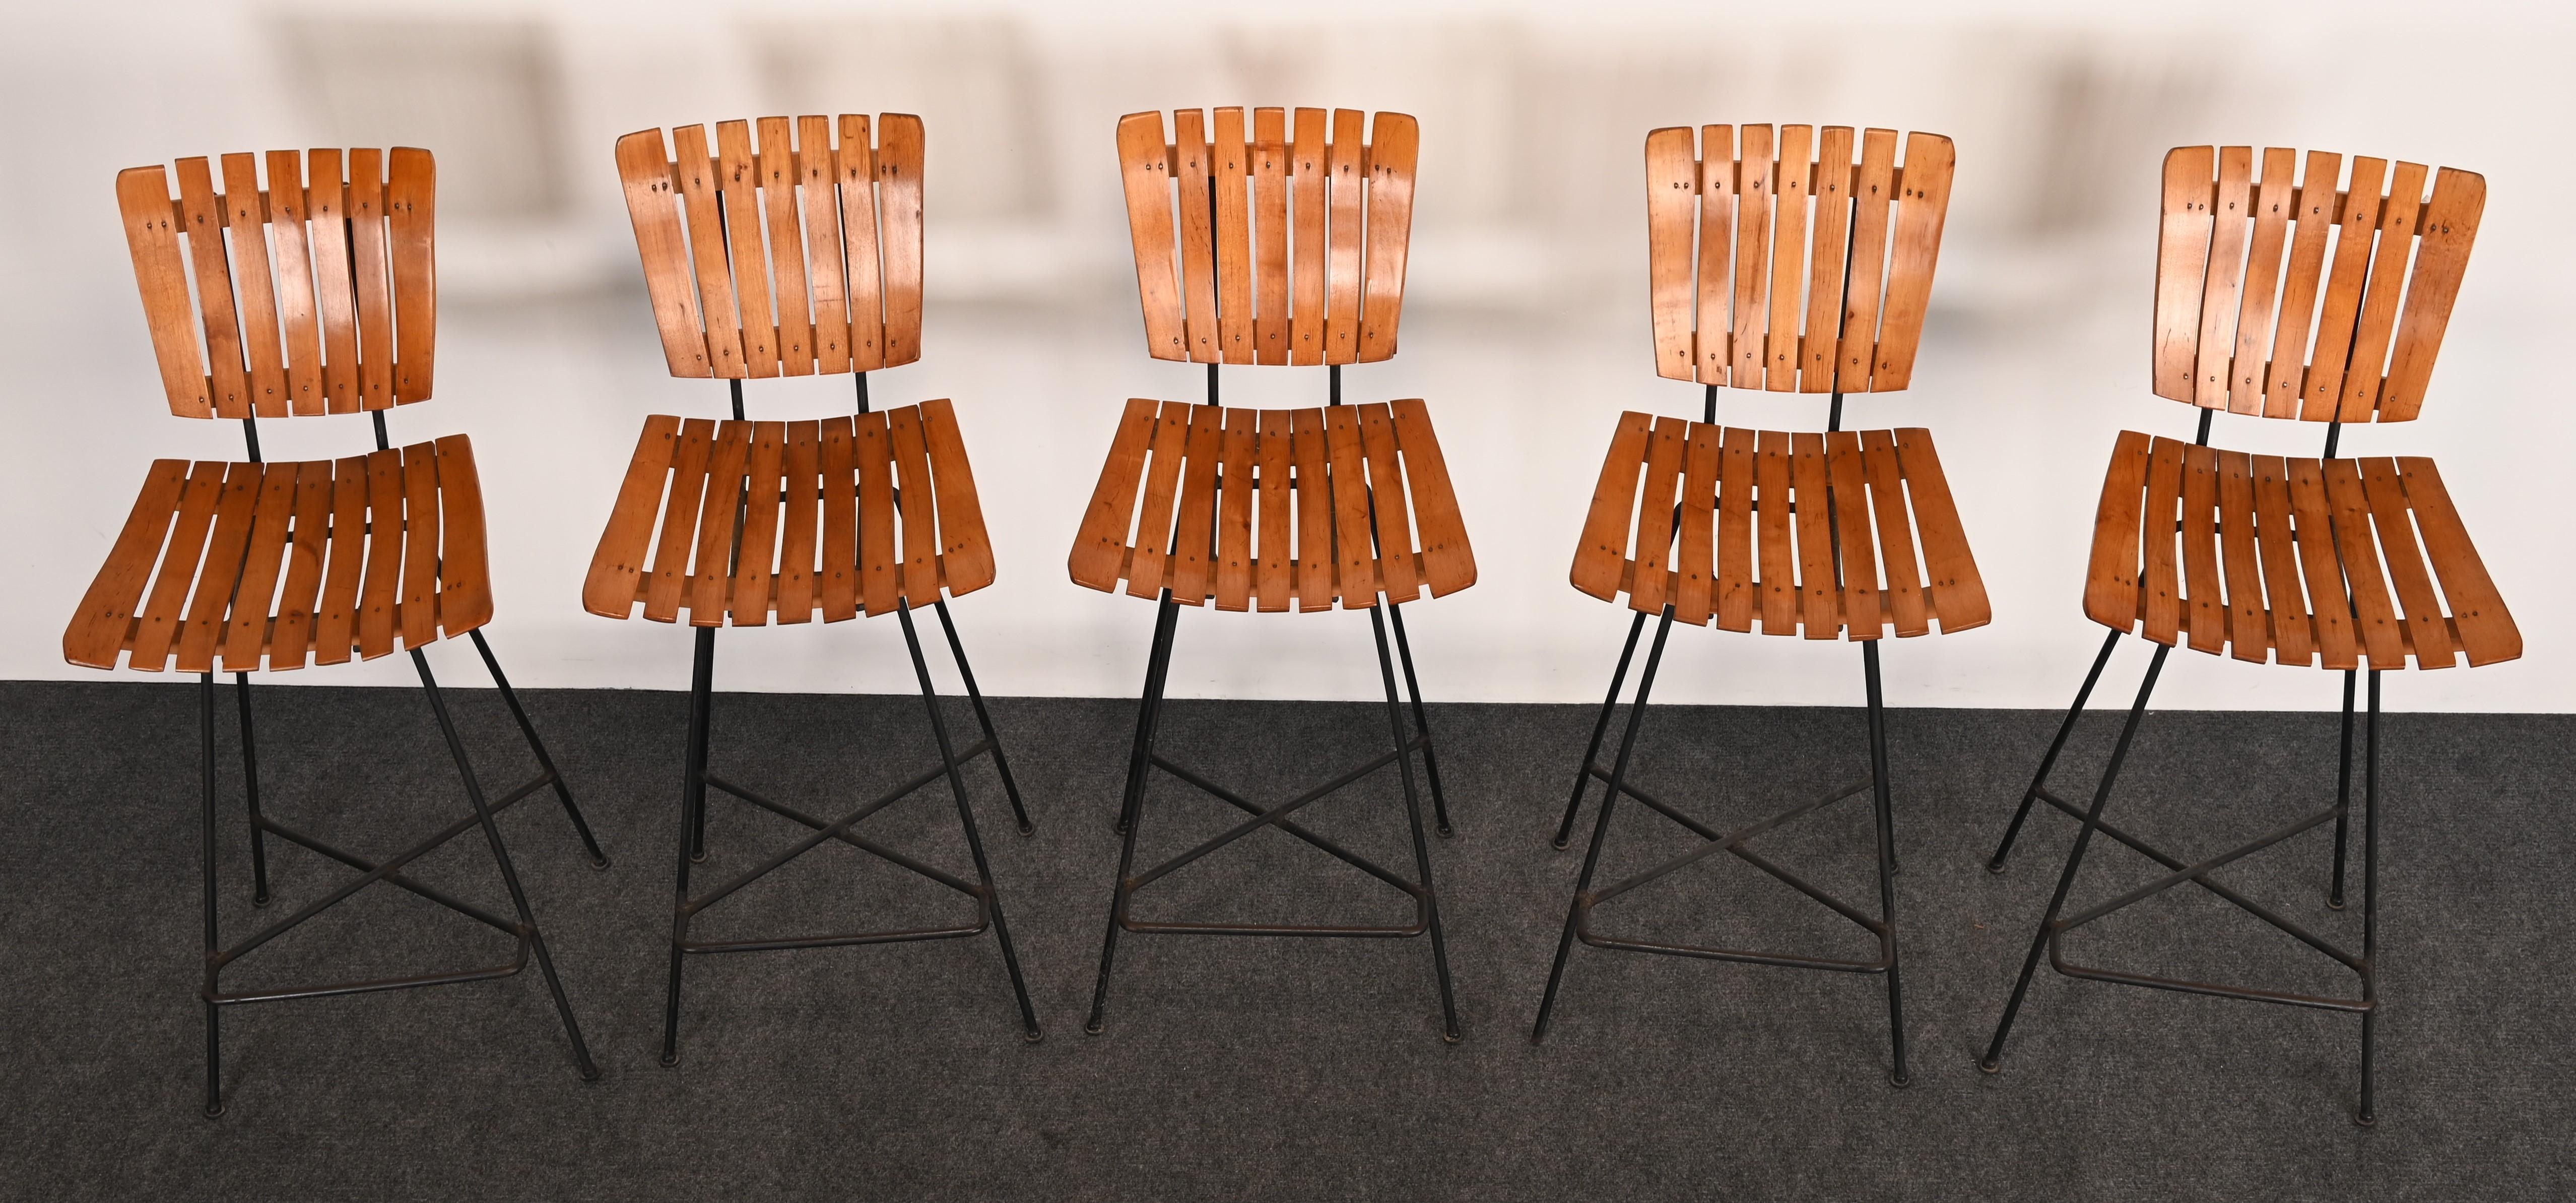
[[1274, 568], [1100, 546], [652, 207], [1820, 603], [1651, 589], [1710, 345], [335, 619], [778, 172], [1234, 512], [1863, 617], [1448, 561], [2450, 226], [856, 535], [857, 161], [99, 627], [1788, 261], [221, 323], [247, 632], [2312, 220], [1315, 566], [1394, 144], [1735, 481], [1269, 156], [965, 547], [1752, 257], [754, 581], [2111, 580], [1145, 576], [464, 570], [2182, 266], [1198, 234], [221, 569], [2254, 330], [818, 196], [711, 568], [1343, 259], [1393, 527], [799, 503], [411, 222], [1776, 559], [2425, 625], [1832, 192], [2247, 637], [899, 152], [670, 573], [748, 250], [327, 200], [293, 638], [1309, 173], [2383, 635], [2161, 606], [418, 619], [1233, 235], [143, 201], [1357, 579], [2293, 635], [2222, 290], [258, 291], [1914, 249], [158, 623], [1601, 556], [1950, 571], [699, 185], [1695, 593], [380, 590], [1194, 535], [295, 301], [2321, 565], [1671, 202], [920, 504], [2206, 623], [1902, 596], [1145, 169], [2486, 629], [2342, 303], [2379, 301], [1873, 190], [368, 262], [609, 589]]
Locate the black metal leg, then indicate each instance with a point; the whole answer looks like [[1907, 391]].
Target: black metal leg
[[1001, 763], [509, 875], [563, 792], [1413, 812], [1600, 727], [693, 802], [1993, 1059], [2039, 780], [966, 816], [214, 1104], [1421, 723], [1149, 714], [1601, 824], [1902, 1074], [250, 786], [2369, 1113], [2343, 792]]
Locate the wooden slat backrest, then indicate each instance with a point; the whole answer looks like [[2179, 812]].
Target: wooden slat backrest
[[309, 292], [781, 247], [1260, 239], [2279, 281], [1792, 259]]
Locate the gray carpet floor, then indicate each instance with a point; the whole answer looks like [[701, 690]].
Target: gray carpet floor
[[1287, 1069]]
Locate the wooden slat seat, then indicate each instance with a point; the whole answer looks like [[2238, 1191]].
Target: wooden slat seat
[[836, 516], [294, 563], [1761, 514], [1267, 514], [2299, 561]]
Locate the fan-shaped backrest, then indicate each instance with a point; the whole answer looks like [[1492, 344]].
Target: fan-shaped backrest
[[1812, 273], [833, 226], [2327, 336], [1291, 242], [309, 294]]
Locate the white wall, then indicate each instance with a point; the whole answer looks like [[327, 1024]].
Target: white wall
[[1526, 327]]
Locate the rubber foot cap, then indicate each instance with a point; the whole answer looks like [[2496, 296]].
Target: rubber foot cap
[[1034, 1035], [1899, 1081], [2364, 1119], [670, 1059], [600, 865], [1990, 1065], [215, 1112]]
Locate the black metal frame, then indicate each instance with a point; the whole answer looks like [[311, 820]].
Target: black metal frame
[[692, 839], [2054, 924], [523, 929], [1578, 917], [1143, 759]]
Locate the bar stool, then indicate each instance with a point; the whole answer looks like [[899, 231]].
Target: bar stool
[[1291, 252], [2282, 558], [787, 520], [1811, 534], [322, 300]]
